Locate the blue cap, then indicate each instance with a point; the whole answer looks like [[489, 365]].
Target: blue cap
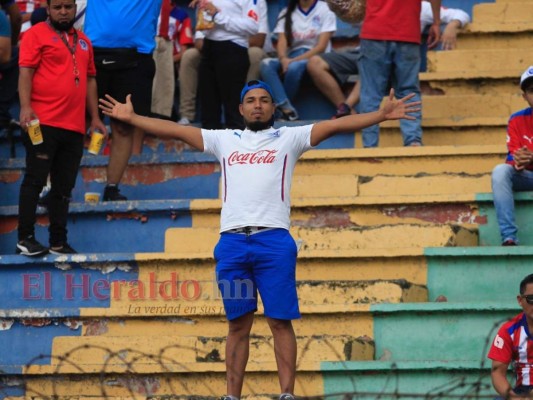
[[255, 84]]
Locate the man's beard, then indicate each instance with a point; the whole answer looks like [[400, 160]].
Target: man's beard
[[62, 26], [259, 125]]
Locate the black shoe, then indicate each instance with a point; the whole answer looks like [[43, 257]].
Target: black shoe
[[64, 249], [509, 242], [31, 247], [111, 193]]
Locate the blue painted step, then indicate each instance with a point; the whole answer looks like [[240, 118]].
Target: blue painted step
[[187, 175], [54, 303], [108, 227]]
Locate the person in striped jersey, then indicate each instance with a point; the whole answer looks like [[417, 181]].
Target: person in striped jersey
[[514, 344]]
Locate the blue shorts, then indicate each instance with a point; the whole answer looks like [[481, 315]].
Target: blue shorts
[[264, 262]]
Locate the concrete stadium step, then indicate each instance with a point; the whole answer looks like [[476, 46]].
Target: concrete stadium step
[[503, 16], [152, 286], [150, 219], [171, 354], [490, 232], [189, 386], [409, 380], [317, 241], [467, 110], [410, 161], [362, 211], [452, 83], [166, 177], [453, 273], [148, 177], [407, 332], [506, 38], [443, 136], [112, 227], [476, 64]]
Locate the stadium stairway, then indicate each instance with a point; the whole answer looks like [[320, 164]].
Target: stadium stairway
[[401, 278]]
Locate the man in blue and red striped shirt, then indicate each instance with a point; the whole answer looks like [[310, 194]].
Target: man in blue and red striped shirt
[[514, 344], [517, 172]]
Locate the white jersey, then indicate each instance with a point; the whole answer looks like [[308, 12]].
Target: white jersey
[[447, 15], [236, 21], [262, 9], [307, 26], [256, 169]]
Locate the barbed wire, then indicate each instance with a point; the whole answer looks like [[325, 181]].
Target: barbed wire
[[126, 368]]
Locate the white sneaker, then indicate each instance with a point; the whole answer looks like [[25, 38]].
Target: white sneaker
[[184, 121]]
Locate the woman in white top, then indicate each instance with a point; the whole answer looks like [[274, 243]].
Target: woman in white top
[[304, 29]]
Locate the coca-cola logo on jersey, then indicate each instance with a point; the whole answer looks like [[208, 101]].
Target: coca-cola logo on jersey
[[259, 157]]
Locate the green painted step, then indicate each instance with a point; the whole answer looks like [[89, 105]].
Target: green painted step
[[438, 331], [407, 380], [477, 274], [489, 233]]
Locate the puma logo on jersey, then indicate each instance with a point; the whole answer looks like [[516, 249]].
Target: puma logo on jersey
[[527, 138], [237, 134]]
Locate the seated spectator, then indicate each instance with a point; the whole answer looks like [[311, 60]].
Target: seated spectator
[[259, 45], [513, 344], [517, 172], [304, 29], [330, 72]]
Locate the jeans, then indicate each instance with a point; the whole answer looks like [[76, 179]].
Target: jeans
[[60, 155], [284, 91], [505, 180], [386, 63]]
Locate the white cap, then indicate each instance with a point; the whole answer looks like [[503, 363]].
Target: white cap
[[526, 76]]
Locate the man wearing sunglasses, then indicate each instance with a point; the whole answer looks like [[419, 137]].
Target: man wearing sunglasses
[[255, 246], [514, 344]]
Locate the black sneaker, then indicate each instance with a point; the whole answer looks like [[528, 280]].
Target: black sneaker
[[509, 242], [64, 249], [31, 247], [111, 193]]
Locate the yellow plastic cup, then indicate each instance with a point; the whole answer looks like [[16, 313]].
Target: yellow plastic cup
[[34, 131], [97, 139], [92, 197]]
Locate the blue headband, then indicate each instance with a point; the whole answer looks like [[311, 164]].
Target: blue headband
[[255, 84]]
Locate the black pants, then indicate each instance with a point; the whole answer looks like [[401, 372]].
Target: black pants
[[9, 76], [60, 155], [222, 75]]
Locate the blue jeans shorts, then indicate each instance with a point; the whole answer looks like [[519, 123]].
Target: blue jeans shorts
[[263, 262]]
